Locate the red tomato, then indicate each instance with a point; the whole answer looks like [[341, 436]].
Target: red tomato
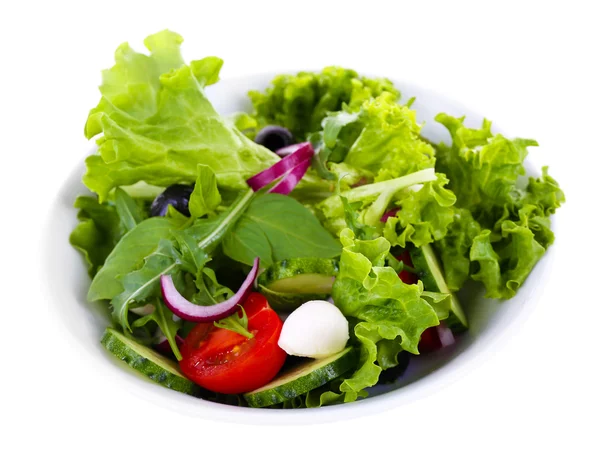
[[226, 362], [430, 341], [405, 276]]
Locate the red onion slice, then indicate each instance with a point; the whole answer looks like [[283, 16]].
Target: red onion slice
[[445, 334], [291, 179], [303, 152], [201, 313], [389, 214], [287, 150]]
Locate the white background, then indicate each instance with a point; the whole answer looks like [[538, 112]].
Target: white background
[[531, 67]]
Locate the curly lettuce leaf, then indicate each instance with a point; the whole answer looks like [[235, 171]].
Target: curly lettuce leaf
[[453, 249], [132, 84], [483, 168], [389, 144], [300, 102], [501, 229], [424, 214], [177, 130], [370, 201], [383, 307]]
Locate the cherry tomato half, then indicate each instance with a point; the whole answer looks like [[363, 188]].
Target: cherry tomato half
[[227, 362]]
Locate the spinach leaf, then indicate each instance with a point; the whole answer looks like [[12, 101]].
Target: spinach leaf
[[276, 227]]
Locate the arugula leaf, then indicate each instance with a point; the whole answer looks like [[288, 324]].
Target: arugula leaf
[[144, 283], [177, 129], [385, 308], [208, 233], [97, 233], [300, 102], [205, 197], [276, 227], [163, 317], [128, 209], [128, 255]]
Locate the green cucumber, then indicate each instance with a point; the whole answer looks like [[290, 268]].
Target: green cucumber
[[430, 273], [146, 361], [287, 284], [303, 378]]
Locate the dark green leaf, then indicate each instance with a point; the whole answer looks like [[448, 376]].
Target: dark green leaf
[[98, 231], [276, 227]]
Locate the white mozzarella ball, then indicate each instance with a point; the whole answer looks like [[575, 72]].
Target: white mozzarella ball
[[316, 329]]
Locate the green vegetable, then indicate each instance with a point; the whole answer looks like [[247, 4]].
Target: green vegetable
[[178, 250], [300, 102], [453, 249], [384, 307], [287, 284], [507, 230], [149, 363], [158, 127], [144, 283], [302, 379], [163, 317], [334, 214], [389, 144], [205, 197], [430, 273], [97, 233], [130, 212], [424, 215], [276, 227], [128, 255]]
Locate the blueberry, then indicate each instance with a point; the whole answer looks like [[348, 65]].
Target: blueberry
[[176, 195], [274, 137]]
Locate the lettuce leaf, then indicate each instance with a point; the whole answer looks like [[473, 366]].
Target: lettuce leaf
[[205, 197], [383, 307], [300, 102], [158, 127], [502, 227], [424, 215], [389, 143]]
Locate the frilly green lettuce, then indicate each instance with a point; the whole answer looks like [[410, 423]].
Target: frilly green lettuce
[[158, 125], [383, 307], [500, 230]]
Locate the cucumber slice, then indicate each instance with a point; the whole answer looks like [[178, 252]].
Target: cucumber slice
[[144, 360], [303, 378], [426, 263], [287, 284]]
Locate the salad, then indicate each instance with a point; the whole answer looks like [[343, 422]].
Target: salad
[[298, 254]]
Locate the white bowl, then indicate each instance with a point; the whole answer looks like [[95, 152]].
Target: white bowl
[[490, 319]]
